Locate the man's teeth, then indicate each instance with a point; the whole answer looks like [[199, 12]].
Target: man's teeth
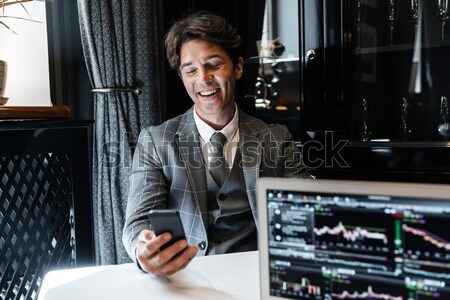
[[210, 92]]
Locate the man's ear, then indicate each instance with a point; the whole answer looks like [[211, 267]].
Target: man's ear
[[239, 68]]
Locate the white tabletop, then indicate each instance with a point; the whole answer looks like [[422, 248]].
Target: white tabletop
[[218, 277]]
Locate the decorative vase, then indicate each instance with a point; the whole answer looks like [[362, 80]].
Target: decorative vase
[[3, 69]]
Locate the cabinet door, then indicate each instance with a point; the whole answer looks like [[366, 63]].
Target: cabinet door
[[322, 44], [377, 69], [375, 76], [399, 60]]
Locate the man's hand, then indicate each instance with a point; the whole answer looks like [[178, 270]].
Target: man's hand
[[163, 262]]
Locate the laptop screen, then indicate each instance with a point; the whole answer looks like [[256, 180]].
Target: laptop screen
[[354, 240]]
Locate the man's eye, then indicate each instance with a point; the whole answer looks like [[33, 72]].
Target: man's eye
[[215, 66], [190, 72]]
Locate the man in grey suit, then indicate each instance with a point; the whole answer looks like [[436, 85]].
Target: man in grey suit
[[171, 167]]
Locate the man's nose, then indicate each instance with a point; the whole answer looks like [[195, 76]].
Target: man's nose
[[206, 76]]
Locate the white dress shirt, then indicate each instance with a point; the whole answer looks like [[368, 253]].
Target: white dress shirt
[[231, 132]]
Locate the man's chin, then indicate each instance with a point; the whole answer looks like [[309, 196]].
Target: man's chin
[[210, 107]]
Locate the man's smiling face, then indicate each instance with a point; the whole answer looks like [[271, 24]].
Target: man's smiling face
[[209, 77]]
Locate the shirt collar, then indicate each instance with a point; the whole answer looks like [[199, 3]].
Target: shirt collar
[[207, 131]]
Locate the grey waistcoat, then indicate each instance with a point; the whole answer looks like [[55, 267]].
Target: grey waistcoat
[[231, 227]]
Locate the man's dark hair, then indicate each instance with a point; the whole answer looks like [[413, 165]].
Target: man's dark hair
[[205, 26]]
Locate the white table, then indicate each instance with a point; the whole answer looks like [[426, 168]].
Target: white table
[[217, 277]]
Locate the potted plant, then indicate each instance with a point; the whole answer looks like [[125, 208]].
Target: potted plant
[[4, 16], [3, 23]]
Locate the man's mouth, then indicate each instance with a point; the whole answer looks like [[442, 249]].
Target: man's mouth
[[209, 92]]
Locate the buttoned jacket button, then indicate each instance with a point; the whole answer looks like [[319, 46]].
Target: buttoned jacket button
[[222, 197], [202, 245]]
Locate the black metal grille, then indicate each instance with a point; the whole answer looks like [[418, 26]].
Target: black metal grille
[[36, 221]]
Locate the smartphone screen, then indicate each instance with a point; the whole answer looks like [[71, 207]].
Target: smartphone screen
[[167, 220]]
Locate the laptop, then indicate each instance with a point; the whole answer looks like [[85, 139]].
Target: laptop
[[338, 239]]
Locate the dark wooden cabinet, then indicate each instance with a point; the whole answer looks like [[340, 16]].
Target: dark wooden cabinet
[[45, 201], [374, 78]]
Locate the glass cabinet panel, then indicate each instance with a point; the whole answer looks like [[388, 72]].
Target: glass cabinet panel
[[399, 69], [375, 88], [273, 92]]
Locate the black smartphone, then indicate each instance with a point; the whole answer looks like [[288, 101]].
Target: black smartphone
[[167, 220]]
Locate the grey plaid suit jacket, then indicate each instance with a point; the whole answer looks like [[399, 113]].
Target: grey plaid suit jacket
[[168, 172]]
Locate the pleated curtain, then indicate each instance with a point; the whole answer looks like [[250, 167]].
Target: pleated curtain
[[120, 43]]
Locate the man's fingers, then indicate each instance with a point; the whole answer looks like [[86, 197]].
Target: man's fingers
[[180, 261], [163, 262], [169, 253], [148, 246], [146, 235]]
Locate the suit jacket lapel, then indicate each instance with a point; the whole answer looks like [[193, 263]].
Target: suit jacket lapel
[[251, 158], [188, 141]]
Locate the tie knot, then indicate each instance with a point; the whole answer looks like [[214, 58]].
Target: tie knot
[[218, 137]]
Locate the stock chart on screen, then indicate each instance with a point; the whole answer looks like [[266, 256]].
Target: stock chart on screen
[[337, 246]]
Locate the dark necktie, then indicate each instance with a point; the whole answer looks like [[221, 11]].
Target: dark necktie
[[217, 163]]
